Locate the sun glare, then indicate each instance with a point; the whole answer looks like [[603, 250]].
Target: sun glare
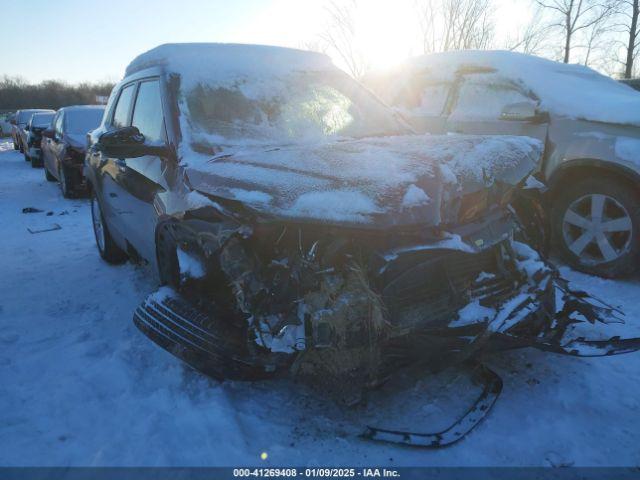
[[385, 32]]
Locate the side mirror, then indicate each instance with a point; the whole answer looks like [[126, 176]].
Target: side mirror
[[49, 133], [522, 111], [127, 142]]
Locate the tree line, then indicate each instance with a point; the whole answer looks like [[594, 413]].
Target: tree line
[[15, 93]]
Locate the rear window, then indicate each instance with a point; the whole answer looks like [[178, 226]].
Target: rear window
[[23, 117], [42, 119], [83, 121]]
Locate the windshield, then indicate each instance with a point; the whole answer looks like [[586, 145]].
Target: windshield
[[82, 121], [42, 119], [297, 107], [23, 117]]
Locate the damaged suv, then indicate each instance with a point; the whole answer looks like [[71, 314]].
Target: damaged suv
[[298, 226]]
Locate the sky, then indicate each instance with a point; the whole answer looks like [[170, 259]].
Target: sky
[[89, 40]]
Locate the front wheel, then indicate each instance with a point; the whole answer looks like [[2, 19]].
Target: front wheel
[[67, 182], [596, 226], [15, 146], [107, 247], [48, 176]]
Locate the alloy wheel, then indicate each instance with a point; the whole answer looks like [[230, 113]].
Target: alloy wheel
[[597, 229]]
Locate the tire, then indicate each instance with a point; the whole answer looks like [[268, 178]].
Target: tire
[[607, 248], [67, 183], [26, 156], [15, 146], [109, 251], [48, 176]]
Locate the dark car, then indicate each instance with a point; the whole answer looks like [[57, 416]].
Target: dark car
[[38, 123], [20, 121], [299, 226], [64, 146]]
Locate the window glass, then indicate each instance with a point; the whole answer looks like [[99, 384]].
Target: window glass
[[83, 121], [298, 107], [147, 113], [41, 119], [484, 96], [121, 115], [58, 123], [422, 95]]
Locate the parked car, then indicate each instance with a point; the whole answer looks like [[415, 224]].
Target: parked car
[[38, 123], [65, 143], [294, 220], [20, 121], [5, 123], [589, 123]]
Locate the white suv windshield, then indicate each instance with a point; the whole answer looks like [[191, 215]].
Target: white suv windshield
[[296, 107]]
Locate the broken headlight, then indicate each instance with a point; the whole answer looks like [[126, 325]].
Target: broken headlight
[[473, 205]]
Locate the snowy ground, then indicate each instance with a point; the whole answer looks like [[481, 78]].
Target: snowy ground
[[79, 385]]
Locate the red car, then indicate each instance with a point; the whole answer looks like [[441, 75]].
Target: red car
[[64, 146]]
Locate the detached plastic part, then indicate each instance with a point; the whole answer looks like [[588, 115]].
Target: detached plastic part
[[492, 386]]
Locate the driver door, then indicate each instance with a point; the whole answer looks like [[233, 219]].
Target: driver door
[[133, 183]]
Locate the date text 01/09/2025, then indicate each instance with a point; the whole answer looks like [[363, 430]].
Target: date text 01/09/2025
[[316, 472]]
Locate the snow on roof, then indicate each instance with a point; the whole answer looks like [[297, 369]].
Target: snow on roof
[[83, 107], [210, 60], [574, 91]]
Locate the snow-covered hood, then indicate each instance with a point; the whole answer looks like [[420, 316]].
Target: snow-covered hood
[[381, 181]]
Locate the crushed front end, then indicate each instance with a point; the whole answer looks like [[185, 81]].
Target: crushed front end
[[347, 308], [342, 310]]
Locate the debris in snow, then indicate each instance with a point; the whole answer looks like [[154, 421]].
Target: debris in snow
[[54, 227], [414, 196], [473, 313], [31, 210]]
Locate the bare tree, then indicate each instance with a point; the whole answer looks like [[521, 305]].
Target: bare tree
[[631, 10], [593, 41], [574, 16], [532, 38], [455, 24], [340, 34]]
